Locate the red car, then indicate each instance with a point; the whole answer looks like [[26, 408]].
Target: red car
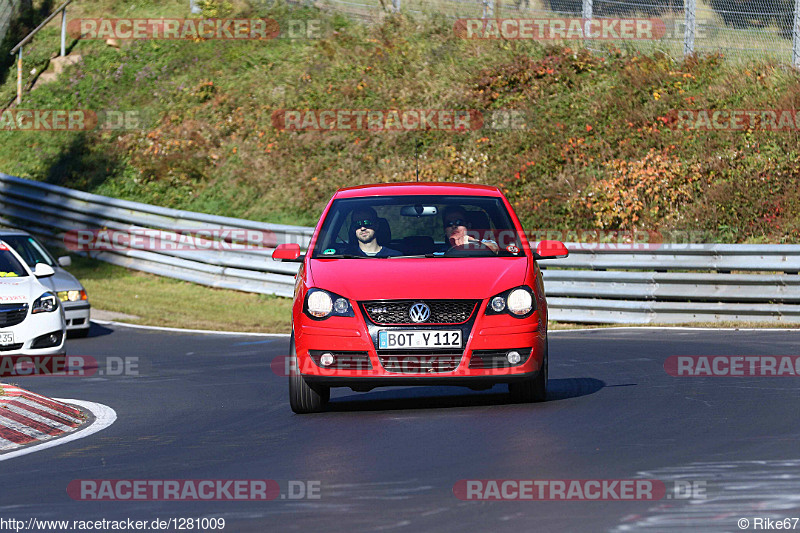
[[418, 284]]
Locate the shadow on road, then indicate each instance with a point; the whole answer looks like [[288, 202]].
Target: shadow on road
[[446, 397]]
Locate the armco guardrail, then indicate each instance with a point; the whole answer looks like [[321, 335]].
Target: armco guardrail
[[50, 212], [597, 283]]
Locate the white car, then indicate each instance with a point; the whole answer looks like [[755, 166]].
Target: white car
[[31, 315], [68, 289]]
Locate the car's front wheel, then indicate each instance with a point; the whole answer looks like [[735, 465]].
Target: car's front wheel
[[304, 398], [531, 390]]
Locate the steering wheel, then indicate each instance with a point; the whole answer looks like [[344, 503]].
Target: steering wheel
[[473, 249]]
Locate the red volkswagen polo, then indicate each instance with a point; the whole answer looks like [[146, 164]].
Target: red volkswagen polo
[[418, 284]]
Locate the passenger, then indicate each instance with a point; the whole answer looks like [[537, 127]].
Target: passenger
[[456, 225], [365, 226]]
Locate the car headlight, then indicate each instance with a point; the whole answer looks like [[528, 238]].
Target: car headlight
[[72, 296], [322, 304], [517, 302], [520, 302], [46, 303]]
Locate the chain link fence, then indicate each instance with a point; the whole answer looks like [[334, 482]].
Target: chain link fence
[[738, 29]]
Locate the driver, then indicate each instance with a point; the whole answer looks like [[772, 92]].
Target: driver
[[456, 225], [365, 226]]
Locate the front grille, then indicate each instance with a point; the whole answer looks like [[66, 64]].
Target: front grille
[[343, 360], [420, 361], [396, 312], [486, 359], [9, 347], [12, 314]]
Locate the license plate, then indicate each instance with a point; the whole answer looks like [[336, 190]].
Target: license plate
[[399, 339], [6, 338]]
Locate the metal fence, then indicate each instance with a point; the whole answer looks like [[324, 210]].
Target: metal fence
[[597, 283], [738, 29]]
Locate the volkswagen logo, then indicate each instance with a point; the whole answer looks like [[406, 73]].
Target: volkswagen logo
[[419, 312]]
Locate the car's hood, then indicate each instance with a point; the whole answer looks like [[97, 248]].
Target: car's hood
[[407, 278], [61, 281], [20, 290]]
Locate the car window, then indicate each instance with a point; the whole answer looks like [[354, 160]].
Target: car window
[[30, 250], [414, 225], [9, 266]]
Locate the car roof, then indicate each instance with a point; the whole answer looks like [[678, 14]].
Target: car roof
[[434, 188], [13, 232]]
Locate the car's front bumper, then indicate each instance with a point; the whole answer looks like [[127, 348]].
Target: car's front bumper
[[77, 315], [31, 329], [483, 334]]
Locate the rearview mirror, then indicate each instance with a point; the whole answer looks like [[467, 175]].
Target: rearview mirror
[[287, 252], [418, 210], [551, 250]]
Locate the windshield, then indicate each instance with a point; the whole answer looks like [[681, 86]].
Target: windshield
[[427, 226], [9, 266], [30, 250]]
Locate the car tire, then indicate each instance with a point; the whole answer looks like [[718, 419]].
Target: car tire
[[304, 398], [531, 390]]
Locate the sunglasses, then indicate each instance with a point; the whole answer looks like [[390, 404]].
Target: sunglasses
[[456, 222], [364, 223]]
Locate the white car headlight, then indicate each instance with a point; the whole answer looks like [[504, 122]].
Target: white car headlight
[[46, 303], [320, 304], [520, 302]]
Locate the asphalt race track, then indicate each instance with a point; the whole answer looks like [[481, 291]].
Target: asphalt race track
[[210, 407]]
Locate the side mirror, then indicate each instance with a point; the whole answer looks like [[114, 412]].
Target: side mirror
[[551, 250], [43, 271], [287, 252], [65, 261]]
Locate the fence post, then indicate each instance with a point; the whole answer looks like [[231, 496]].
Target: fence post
[[396, 6], [796, 35], [587, 20], [690, 22], [488, 9], [19, 77], [64, 32]]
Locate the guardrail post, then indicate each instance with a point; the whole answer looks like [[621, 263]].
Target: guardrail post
[[796, 36], [19, 77], [688, 37], [587, 21], [64, 32]]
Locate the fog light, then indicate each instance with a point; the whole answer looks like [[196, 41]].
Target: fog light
[[47, 341], [513, 357], [326, 359]]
